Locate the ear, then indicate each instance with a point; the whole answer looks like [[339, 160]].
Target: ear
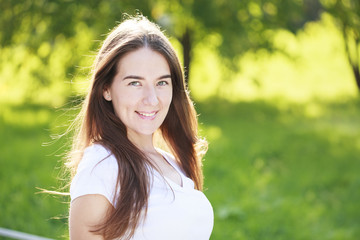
[[107, 95]]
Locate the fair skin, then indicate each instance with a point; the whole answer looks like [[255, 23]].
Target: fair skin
[[141, 94]]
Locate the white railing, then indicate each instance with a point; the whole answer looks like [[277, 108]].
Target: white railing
[[20, 235]]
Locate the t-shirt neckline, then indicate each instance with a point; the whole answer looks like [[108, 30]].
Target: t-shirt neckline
[[177, 169]]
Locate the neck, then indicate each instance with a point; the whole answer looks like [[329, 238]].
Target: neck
[[143, 142]]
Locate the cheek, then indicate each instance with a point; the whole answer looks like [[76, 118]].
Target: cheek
[[120, 106], [121, 97], [169, 95], [167, 99]]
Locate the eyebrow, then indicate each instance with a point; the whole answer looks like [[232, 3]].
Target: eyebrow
[[142, 78]]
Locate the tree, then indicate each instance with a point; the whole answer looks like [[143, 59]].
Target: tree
[[347, 16], [243, 25]]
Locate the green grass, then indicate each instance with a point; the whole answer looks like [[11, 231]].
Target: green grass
[[25, 166], [276, 173], [273, 170]]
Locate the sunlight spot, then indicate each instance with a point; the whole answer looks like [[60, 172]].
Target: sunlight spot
[[225, 212], [254, 9], [313, 110], [270, 8], [25, 118], [206, 69], [44, 49], [213, 132], [242, 15], [313, 65], [263, 180], [347, 3], [328, 3]]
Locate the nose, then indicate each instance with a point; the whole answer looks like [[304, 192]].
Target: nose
[[150, 96]]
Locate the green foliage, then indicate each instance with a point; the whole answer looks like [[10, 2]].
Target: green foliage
[[346, 13], [33, 22], [310, 64], [46, 44], [46, 75], [38, 25]]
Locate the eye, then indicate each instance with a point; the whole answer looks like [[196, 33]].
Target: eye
[[135, 83], [163, 83]]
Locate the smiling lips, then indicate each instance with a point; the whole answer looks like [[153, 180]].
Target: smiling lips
[[147, 115]]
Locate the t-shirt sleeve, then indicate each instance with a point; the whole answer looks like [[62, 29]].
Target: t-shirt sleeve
[[96, 174]]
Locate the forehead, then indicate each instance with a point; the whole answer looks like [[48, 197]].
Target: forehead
[[143, 60]]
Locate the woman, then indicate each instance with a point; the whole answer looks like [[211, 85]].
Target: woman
[[124, 186]]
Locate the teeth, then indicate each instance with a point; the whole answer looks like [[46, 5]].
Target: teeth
[[147, 114]]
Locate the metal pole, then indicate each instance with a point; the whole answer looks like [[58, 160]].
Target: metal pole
[[20, 235]]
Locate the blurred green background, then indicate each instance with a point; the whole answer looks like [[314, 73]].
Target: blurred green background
[[276, 84]]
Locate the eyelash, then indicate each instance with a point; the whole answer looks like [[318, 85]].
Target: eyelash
[[134, 83], [163, 83], [137, 83]]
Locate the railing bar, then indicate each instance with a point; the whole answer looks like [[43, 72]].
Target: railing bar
[[20, 235]]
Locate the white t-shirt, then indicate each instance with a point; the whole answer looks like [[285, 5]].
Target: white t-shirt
[[174, 212]]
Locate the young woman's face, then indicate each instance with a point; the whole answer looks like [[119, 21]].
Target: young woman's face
[[141, 91]]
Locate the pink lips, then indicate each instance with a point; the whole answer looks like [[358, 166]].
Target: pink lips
[[147, 115]]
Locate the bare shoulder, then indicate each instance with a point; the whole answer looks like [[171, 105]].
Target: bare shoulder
[[85, 213]]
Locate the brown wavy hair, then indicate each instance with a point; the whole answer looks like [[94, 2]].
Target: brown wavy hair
[[97, 123]]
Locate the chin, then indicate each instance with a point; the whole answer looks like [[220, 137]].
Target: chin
[[146, 132]]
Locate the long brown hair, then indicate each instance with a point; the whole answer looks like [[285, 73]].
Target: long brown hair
[[97, 123]]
